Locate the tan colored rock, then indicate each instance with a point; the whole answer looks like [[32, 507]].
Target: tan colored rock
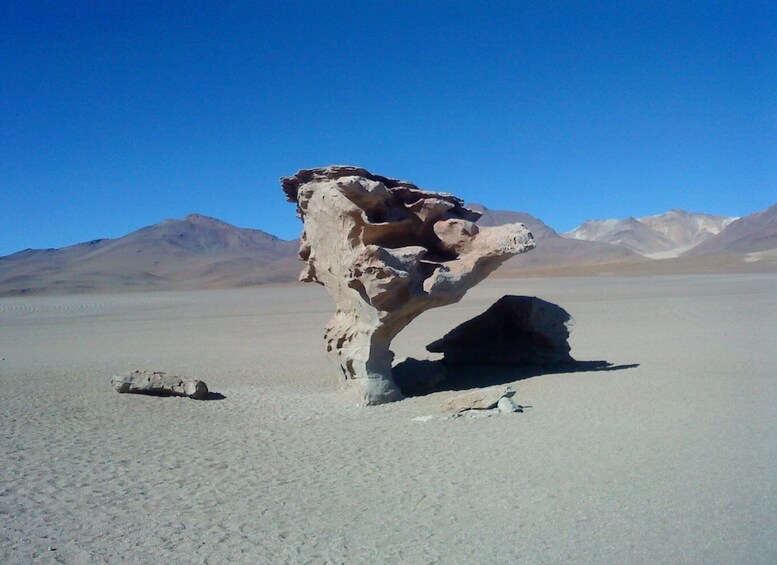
[[159, 384], [507, 405], [387, 251], [479, 399]]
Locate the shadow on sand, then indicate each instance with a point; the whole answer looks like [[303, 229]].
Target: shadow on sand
[[163, 394], [414, 375]]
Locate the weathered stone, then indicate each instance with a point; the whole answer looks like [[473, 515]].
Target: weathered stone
[[507, 404], [480, 399], [159, 384], [515, 330], [387, 251]]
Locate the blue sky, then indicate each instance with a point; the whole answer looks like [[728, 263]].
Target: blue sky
[[116, 115]]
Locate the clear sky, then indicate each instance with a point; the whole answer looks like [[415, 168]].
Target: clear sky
[[115, 115]]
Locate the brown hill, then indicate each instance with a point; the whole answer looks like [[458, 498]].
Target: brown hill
[[196, 252]]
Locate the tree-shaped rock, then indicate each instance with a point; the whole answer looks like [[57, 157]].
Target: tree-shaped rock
[[387, 251]]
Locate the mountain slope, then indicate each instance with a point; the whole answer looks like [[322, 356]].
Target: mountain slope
[[687, 229], [658, 236], [196, 252], [553, 250], [756, 233], [490, 218], [633, 234]]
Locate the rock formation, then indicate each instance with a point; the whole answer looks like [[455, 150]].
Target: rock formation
[[478, 403], [484, 399], [515, 330], [159, 384], [387, 251]]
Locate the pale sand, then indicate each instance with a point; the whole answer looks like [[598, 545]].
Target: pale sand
[[673, 461]]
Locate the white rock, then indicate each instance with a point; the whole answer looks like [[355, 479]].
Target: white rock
[[507, 404]]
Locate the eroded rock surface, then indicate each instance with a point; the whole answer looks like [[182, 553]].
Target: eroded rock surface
[[479, 403], [515, 330], [480, 399], [159, 384], [387, 251]]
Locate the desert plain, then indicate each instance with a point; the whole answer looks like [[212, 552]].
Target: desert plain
[[669, 455]]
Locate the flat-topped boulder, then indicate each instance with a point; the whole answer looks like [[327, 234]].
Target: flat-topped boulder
[[386, 251], [515, 331]]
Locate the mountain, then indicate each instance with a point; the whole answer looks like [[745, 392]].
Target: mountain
[[753, 234], [201, 252], [658, 236], [632, 234], [687, 229], [195, 252], [553, 250]]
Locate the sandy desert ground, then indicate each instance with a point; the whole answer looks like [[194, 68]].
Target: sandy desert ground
[[671, 457]]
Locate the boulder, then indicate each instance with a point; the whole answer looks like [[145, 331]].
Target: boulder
[[386, 251], [515, 330], [479, 399], [158, 383]]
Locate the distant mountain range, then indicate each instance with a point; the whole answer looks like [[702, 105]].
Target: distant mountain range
[[751, 235], [661, 236], [201, 252], [552, 249], [195, 252]]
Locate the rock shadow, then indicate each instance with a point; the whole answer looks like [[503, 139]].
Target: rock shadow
[[421, 377], [518, 337], [161, 394]]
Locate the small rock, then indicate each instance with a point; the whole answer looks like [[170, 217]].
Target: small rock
[[159, 384], [507, 404], [481, 399]]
